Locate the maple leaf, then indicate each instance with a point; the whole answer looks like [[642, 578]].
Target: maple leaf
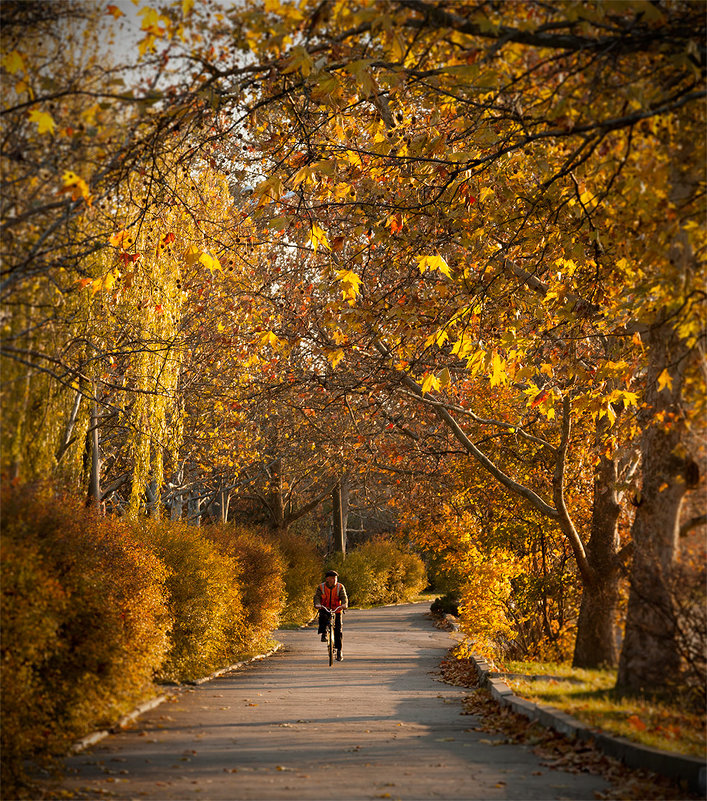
[[335, 357], [45, 122], [318, 237], [351, 283], [115, 11], [129, 258], [117, 239], [151, 20], [429, 383], [269, 338], [435, 262], [212, 264], [498, 371]]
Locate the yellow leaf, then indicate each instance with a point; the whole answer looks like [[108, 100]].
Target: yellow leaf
[[318, 237], [119, 238], [191, 255], [45, 122], [151, 20], [210, 262], [187, 6], [13, 62], [430, 382], [665, 380], [335, 357], [435, 262], [76, 186], [351, 283], [484, 193], [498, 371], [269, 338]]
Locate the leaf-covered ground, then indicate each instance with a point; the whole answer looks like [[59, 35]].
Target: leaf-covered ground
[[558, 751]]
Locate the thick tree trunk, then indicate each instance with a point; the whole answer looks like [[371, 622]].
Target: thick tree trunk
[[649, 655], [596, 644]]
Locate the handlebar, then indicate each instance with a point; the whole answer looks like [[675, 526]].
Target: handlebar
[[332, 611]]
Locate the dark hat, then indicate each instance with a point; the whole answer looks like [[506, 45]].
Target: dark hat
[[331, 573]]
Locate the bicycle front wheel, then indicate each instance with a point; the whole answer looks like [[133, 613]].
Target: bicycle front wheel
[[330, 644]]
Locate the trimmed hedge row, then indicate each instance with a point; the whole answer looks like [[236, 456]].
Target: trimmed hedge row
[[93, 609], [379, 572]]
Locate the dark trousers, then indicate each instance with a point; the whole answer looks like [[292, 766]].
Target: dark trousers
[[338, 633]]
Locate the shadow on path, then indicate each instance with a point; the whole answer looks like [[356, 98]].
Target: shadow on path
[[378, 725]]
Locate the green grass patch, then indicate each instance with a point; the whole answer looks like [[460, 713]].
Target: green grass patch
[[589, 695]]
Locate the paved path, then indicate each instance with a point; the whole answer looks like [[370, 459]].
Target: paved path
[[380, 724]]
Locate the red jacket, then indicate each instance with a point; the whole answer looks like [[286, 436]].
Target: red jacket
[[331, 597]]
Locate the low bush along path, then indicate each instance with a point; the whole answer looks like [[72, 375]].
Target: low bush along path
[[380, 724]]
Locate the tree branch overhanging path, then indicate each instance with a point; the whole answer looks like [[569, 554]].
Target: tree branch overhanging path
[[468, 270]]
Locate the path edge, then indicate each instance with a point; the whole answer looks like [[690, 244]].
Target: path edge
[[91, 739], [642, 757]]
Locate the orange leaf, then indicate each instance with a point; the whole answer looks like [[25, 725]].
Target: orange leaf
[[130, 258], [637, 723]]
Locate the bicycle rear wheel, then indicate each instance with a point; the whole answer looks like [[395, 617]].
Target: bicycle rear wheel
[[330, 643]]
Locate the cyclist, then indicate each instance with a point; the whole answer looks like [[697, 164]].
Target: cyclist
[[331, 594]]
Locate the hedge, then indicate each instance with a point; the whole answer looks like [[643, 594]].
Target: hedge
[[379, 572], [84, 623]]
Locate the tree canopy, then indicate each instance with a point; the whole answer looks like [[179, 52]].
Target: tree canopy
[[456, 248]]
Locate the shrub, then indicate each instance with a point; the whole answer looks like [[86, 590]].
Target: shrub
[[205, 601], [483, 610], [303, 570], [379, 572], [261, 571], [447, 604], [84, 623]]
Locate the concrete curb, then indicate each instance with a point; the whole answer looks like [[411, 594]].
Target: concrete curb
[[146, 706], [675, 766]]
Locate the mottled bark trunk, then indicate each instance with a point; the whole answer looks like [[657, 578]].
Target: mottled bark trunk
[[67, 439], [277, 497], [649, 655], [596, 644], [94, 484], [340, 514]]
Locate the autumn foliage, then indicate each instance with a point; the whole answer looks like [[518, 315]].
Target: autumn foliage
[[454, 250], [85, 622], [380, 572], [94, 609]]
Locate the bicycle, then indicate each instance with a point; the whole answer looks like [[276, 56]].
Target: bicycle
[[330, 632]]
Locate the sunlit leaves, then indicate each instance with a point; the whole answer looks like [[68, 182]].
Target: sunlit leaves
[[434, 262], [430, 383], [317, 238], [350, 284], [210, 262], [665, 380]]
